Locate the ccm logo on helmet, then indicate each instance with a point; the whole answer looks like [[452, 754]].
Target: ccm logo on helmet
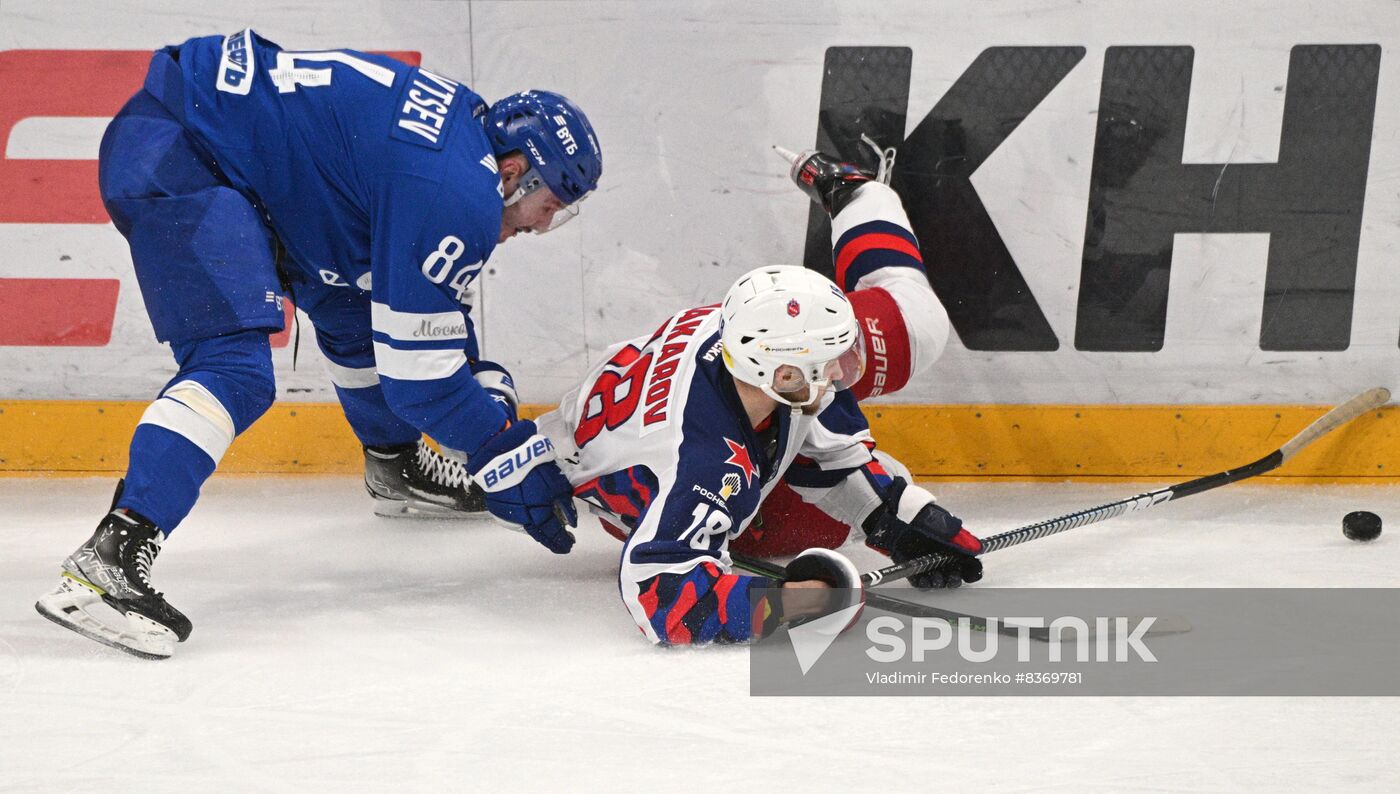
[[507, 465]]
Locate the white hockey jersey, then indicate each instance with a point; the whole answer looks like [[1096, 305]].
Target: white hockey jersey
[[658, 441]]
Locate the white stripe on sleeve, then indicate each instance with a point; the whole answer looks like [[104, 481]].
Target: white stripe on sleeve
[[190, 410], [417, 364], [417, 326], [352, 377]]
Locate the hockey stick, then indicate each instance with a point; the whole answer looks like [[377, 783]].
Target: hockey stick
[[1333, 419], [897, 606]]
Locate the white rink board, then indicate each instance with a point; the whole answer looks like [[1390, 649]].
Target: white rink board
[[687, 98]]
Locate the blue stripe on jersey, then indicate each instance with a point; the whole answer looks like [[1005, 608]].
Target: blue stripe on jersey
[[420, 344], [874, 259], [856, 258], [874, 227]]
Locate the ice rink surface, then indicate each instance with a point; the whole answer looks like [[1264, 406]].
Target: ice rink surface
[[339, 650]]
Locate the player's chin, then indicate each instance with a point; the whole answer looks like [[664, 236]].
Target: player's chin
[[793, 398]]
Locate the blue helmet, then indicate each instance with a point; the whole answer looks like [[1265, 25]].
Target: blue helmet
[[555, 138]]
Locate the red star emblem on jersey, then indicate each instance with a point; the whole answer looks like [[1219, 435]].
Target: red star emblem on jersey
[[739, 456]]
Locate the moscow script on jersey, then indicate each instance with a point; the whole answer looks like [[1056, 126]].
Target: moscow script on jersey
[[377, 178]]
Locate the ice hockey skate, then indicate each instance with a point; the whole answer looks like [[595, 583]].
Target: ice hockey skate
[[105, 591], [415, 480]]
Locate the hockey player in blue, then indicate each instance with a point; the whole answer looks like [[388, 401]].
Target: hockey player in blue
[[371, 191]]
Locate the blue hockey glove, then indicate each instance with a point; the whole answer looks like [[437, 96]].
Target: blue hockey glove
[[497, 383], [524, 485], [909, 525]]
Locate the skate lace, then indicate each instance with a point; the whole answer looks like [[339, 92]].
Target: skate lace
[[145, 558], [885, 156], [440, 469]]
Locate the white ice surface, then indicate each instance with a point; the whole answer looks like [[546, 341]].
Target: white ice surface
[[339, 650]]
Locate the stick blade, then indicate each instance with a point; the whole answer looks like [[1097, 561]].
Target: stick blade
[[1335, 418], [787, 154]]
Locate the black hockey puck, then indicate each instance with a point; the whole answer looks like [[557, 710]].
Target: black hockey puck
[[1361, 525]]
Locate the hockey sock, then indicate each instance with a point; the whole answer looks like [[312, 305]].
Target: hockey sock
[[225, 383], [374, 423], [164, 476]]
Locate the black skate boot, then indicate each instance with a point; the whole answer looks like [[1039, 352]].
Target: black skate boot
[[417, 480], [113, 569], [831, 182]]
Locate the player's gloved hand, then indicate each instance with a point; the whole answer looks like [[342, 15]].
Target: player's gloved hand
[[524, 485], [908, 525], [830, 182], [497, 383], [804, 597]]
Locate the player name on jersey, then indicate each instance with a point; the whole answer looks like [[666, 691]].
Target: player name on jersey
[[426, 102], [658, 393], [236, 64]]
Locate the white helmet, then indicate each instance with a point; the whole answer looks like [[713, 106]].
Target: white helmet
[[785, 327]]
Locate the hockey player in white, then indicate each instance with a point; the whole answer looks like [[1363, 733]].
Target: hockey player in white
[[680, 435], [878, 262]]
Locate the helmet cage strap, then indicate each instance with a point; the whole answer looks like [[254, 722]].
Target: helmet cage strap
[[814, 390], [529, 182], [789, 378]]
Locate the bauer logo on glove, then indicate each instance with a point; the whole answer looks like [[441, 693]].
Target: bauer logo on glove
[[510, 469]]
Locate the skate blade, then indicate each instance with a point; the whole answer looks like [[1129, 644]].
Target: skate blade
[[403, 508], [75, 605]]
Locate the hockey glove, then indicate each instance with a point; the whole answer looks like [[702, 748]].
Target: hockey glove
[[524, 485], [843, 587], [908, 525], [828, 181], [497, 383]]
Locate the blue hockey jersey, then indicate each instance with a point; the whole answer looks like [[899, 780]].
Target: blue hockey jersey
[[379, 179]]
